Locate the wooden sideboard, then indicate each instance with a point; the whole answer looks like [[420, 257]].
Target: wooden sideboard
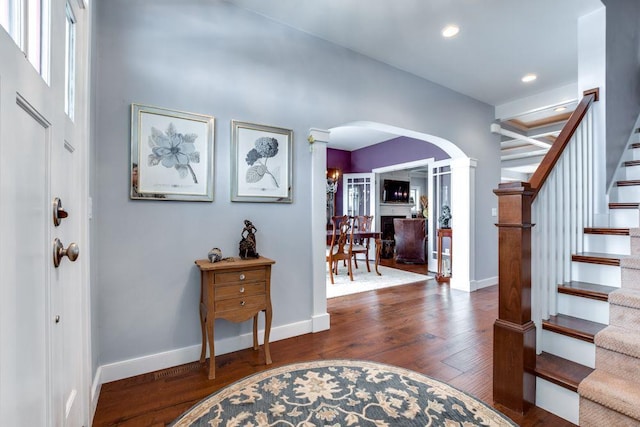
[[236, 290]]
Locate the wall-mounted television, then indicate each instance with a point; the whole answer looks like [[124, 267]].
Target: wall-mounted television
[[395, 191]]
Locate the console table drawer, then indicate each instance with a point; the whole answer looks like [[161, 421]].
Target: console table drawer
[[249, 305], [222, 279], [239, 291]]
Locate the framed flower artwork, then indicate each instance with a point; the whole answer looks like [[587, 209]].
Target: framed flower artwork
[[261, 163], [171, 154]]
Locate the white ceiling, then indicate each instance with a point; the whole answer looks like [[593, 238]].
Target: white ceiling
[[499, 40]]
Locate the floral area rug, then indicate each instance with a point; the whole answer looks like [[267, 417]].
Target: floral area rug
[[340, 393]]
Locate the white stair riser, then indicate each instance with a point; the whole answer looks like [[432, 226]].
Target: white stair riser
[[584, 308], [635, 152], [624, 218], [607, 243], [595, 273], [631, 172], [557, 400], [579, 351], [627, 193]]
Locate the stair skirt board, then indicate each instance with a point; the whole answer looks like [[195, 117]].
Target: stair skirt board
[[584, 308], [607, 243], [624, 218], [557, 400], [579, 351], [607, 275]]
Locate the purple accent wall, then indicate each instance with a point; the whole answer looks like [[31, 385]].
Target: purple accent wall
[[393, 152], [339, 159]]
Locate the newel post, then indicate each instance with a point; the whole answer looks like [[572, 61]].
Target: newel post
[[514, 340]]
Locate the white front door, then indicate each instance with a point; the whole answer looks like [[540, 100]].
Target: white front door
[[44, 311]]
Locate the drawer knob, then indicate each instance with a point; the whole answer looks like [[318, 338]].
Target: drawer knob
[[242, 290], [242, 276], [242, 303]]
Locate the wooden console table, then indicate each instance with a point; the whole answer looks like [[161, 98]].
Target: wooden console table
[[234, 290]]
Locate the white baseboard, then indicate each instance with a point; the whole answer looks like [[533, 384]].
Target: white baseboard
[[321, 322], [153, 362], [95, 392], [484, 283]]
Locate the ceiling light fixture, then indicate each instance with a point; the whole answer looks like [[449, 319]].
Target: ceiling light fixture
[[558, 109], [529, 78], [450, 31]]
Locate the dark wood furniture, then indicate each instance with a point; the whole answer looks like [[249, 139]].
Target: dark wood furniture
[[375, 235], [339, 247], [444, 276], [411, 238], [237, 291], [361, 223]]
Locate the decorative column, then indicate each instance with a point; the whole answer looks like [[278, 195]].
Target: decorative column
[[318, 140], [463, 211], [514, 340]]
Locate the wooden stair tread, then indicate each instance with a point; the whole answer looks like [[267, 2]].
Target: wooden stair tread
[[631, 163], [624, 205], [635, 145], [573, 327], [607, 231], [628, 182], [563, 372], [598, 258], [586, 290]]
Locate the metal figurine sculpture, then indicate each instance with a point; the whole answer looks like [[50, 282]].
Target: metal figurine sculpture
[[445, 217], [248, 242]]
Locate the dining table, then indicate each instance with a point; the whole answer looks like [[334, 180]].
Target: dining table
[[358, 235]]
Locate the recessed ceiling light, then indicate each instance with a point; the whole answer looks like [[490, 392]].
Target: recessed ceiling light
[[450, 31], [529, 78], [558, 109]]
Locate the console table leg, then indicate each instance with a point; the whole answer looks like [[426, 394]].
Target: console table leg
[[267, 332], [255, 332], [212, 352]]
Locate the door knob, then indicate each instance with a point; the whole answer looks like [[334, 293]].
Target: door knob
[[58, 212], [59, 251]]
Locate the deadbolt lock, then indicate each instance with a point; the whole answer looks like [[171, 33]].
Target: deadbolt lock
[[58, 212]]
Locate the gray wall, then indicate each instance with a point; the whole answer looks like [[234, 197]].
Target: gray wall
[[623, 76], [210, 57]]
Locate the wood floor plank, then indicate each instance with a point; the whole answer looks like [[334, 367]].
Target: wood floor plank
[[427, 327]]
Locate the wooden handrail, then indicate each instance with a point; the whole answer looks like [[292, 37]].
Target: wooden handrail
[[556, 150]]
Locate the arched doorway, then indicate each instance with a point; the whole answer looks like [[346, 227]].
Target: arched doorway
[[462, 205]]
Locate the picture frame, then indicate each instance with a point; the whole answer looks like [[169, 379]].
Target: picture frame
[[172, 154], [261, 163]]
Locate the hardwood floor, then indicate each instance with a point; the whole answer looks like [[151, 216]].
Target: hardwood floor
[[426, 327]]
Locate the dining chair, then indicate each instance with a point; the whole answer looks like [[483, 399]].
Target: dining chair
[[361, 245], [339, 249]]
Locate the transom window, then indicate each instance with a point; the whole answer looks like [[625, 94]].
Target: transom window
[[27, 22]]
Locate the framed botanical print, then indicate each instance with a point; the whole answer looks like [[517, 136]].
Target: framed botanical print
[[261, 163], [172, 154]]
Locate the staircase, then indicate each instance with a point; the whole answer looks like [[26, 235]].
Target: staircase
[[568, 334], [589, 369]]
